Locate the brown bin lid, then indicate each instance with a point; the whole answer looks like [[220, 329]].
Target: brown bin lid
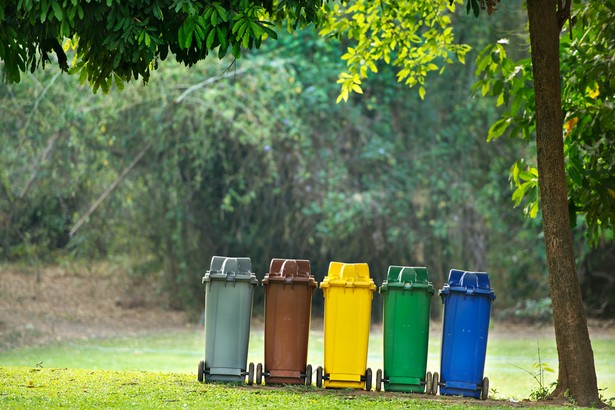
[[290, 271]]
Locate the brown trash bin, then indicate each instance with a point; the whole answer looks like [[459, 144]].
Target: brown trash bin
[[289, 286]]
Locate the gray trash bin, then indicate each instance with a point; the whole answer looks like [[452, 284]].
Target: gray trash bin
[[229, 290]]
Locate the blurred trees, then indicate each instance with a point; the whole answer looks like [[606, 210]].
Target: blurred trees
[[253, 158]]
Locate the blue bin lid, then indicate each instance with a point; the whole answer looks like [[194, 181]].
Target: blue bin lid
[[407, 277], [470, 283], [230, 270]]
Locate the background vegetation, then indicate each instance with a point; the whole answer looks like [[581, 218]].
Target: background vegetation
[[253, 158]]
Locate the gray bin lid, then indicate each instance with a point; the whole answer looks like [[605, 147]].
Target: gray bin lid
[[230, 270]]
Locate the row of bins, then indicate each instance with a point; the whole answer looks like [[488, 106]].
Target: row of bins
[[348, 293]]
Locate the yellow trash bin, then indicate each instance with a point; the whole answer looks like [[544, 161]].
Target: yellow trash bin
[[348, 292]]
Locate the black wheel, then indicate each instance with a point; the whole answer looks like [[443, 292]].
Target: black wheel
[[378, 380], [435, 383], [308, 375], [259, 374], [201, 372], [428, 382], [368, 379], [484, 393], [319, 376], [250, 374]]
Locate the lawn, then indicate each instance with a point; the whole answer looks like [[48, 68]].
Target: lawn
[[181, 351], [22, 387]]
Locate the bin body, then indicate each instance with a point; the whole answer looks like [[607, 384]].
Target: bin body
[[229, 290], [467, 301], [289, 286], [348, 291], [406, 298]]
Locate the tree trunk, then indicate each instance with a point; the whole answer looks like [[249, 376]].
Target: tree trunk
[[577, 374]]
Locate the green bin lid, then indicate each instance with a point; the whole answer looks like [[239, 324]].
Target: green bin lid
[[230, 270], [348, 275], [407, 277], [289, 271]]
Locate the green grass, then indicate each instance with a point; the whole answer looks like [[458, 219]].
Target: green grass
[[77, 388], [180, 352]]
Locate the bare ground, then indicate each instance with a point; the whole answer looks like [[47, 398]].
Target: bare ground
[[76, 302], [68, 303]]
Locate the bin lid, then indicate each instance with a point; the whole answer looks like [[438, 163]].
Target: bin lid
[[407, 277], [289, 271], [230, 270], [468, 283], [348, 275]]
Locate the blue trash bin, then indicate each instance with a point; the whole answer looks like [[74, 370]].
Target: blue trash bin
[[467, 301]]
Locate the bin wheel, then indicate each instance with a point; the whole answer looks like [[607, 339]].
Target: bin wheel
[[250, 374], [484, 394], [308, 375], [435, 383], [319, 376], [259, 374], [368, 379], [428, 383], [201, 372], [378, 380]]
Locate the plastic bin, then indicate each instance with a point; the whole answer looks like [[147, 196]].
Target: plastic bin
[[348, 291], [289, 286], [229, 290], [406, 296], [467, 301]]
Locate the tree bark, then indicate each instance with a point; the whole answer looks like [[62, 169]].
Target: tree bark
[[577, 374]]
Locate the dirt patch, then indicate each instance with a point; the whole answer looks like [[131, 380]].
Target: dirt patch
[[66, 303]]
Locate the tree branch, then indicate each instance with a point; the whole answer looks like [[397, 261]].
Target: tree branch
[[563, 14], [210, 80], [108, 192], [48, 149]]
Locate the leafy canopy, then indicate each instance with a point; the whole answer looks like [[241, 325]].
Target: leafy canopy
[[588, 88], [121, 39], [415, 36]]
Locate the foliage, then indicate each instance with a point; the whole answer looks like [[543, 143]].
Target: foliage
[[254, 159], [118, 40], [415, 36], [530, 310], [589, 127], [539, 368]]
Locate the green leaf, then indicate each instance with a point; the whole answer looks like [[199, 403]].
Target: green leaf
[[236, 50], [422, 92], [65, 28], [221, 38], [533, 212], [57, 10], [157, 11], [498, 128], [210, 39]]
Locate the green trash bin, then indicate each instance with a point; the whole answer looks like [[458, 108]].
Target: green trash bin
[[229, 290], [406, 298]]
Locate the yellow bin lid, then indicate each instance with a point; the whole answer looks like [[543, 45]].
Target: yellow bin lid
[[348, 275]]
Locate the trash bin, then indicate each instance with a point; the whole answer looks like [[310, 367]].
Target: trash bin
[[406, 296], [467, 301], [289, 286], [348, 291], [229, 290]]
